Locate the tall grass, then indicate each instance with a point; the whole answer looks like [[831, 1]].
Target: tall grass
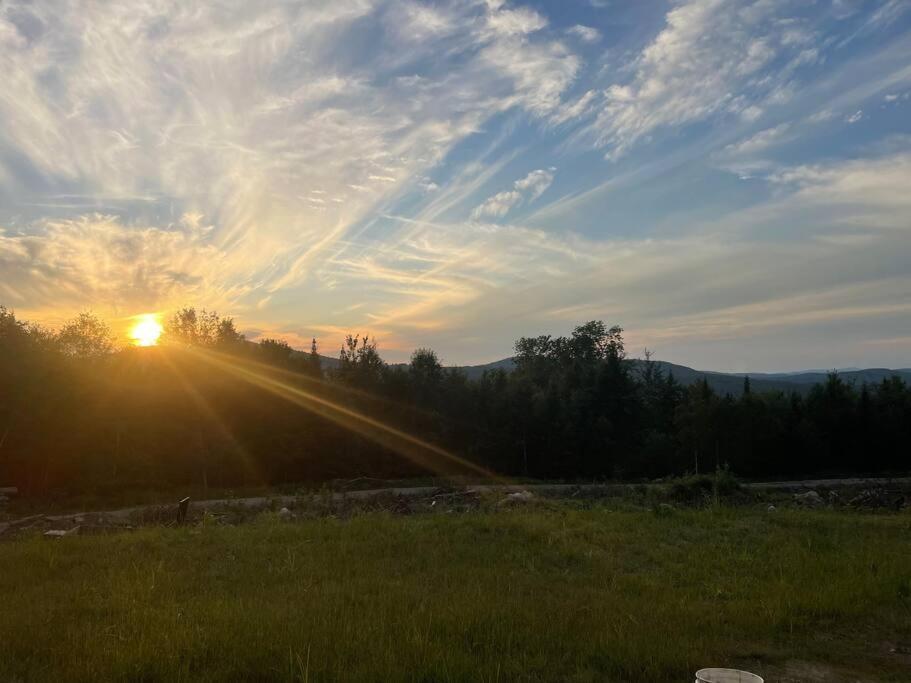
[[540, 595]]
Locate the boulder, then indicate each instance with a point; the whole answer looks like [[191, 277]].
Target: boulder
[[60, 533], [809, 499], [517, 498]]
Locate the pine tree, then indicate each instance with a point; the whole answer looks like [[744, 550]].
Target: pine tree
[[316, 366]]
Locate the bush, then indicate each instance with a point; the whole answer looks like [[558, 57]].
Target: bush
[[700, 487]]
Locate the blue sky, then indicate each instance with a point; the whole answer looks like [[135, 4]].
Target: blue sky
[[729, 180]]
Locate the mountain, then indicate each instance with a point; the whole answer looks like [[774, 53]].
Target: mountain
[[732, 383], [722, 382], [856, 375], [476, 371]]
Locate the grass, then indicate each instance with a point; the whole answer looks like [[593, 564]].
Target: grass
[[556, 593]]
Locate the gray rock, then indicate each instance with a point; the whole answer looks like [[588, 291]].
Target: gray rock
[[285, 513], [809, 499], [60, 533], [517, 498]]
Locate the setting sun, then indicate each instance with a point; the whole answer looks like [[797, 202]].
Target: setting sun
[[146, 331]]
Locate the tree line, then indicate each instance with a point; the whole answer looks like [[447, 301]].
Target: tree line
[[209, 408]]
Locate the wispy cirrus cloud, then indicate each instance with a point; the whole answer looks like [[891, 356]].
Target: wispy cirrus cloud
[[840, 218], [709, 59], [243, 115]]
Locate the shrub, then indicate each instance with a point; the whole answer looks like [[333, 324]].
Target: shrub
[[697, 488]]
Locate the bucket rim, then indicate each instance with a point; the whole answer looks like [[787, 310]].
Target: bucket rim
[[746, 676]]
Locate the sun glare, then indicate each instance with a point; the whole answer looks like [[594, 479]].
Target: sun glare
[[146, 331]]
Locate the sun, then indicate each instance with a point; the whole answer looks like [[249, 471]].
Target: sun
[[146, 331]]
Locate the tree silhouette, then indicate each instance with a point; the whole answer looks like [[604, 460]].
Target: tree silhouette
[[85, 337]]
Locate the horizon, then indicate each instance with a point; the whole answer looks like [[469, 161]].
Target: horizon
[[136, 332], [727, 181], [124, 335], [635, 356]]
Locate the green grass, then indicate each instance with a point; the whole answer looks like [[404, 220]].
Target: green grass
[[549, 594]]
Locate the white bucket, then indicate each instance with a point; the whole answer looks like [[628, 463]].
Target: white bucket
[[726, 676]]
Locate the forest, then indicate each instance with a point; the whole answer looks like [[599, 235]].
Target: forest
[[208, 408]]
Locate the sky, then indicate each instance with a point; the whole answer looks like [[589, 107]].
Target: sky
[[729, 180]]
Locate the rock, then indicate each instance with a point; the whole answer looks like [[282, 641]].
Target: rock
[[517, 498], [665, 510], [772, 508], [3, 499], [285, 513], [60, 533], [809, 499], [9, 490], [876, 498]]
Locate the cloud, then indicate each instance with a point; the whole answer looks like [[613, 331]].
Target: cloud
[[427, 185], [870, 193], [829, 248], [498, 205], [97, 261], [239, 114], [889, 12], [759, 141], [511, 22], [417, 22], [586, 34], [855, 117], [540, 72], [708, 60], [574, 109], [530, 187], [536, 182], [821, 116]]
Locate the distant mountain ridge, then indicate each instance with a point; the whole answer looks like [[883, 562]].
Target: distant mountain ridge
[[732, 383], [722, 382]]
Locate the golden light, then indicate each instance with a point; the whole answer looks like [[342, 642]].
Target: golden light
[[146, 331]]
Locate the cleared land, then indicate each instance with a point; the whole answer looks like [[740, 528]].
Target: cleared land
[[546, 592]]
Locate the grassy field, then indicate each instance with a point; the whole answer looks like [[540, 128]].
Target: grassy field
[[550, 593]]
